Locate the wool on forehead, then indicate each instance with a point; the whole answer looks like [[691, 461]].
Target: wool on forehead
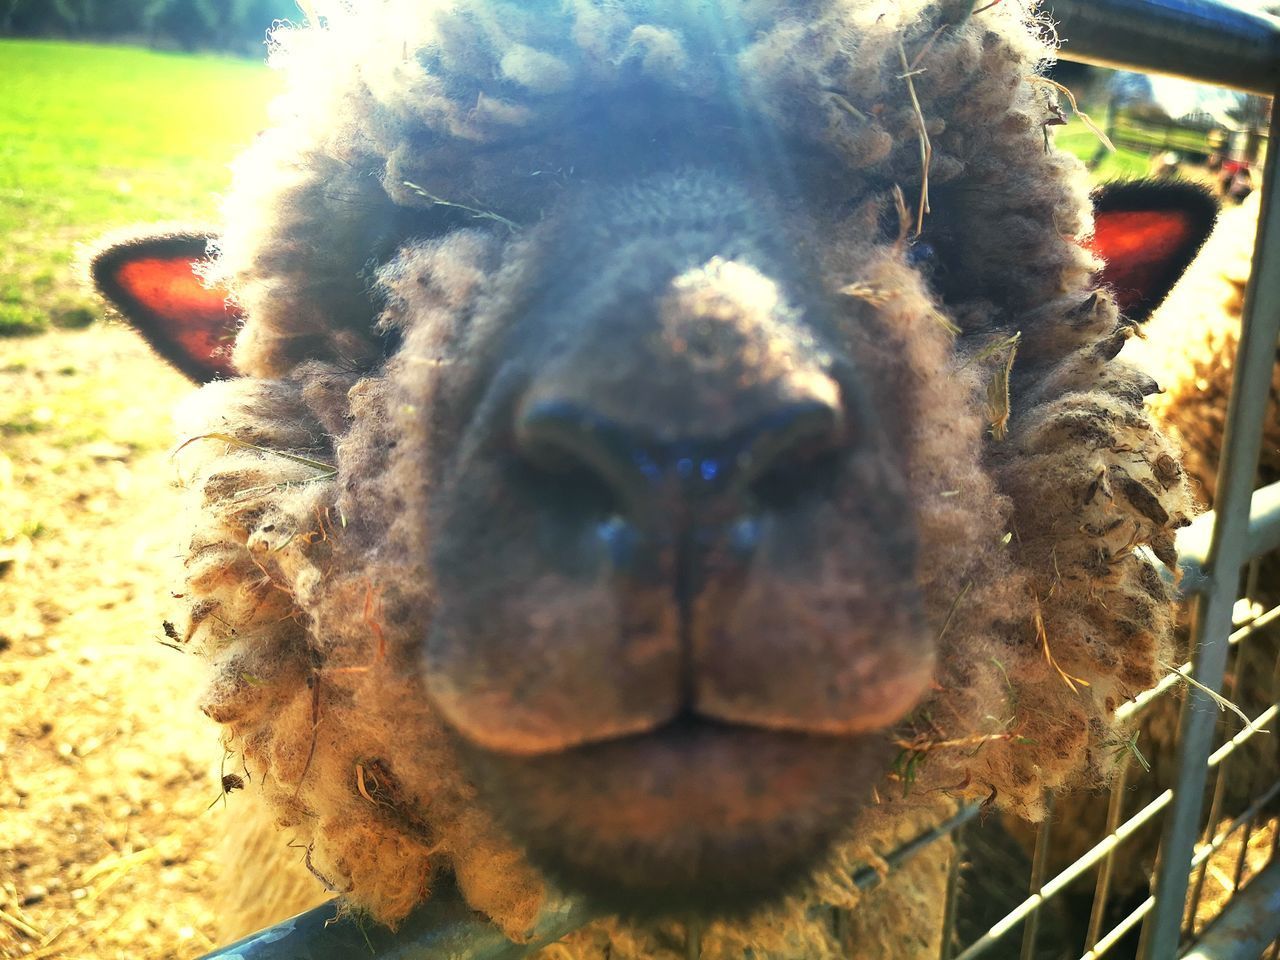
[[395, 108]]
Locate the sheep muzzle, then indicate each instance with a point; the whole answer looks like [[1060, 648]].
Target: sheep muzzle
[[672, 494], [673, 525]]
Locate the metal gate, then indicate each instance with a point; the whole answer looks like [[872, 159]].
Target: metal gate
[[1201, 40]]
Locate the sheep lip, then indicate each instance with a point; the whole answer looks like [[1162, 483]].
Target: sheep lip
[[693, 815], [672, 732]]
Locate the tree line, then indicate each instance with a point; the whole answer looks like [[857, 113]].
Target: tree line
[[232, 25]]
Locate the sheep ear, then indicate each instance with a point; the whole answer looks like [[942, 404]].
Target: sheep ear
[[154, 283], [1148, 232]]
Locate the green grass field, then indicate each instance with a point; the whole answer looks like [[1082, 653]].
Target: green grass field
[[1122, 164], [96, 137]]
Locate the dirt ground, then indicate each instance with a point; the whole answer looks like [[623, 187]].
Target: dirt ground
[[107, 770]]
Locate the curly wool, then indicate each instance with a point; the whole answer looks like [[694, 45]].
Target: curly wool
[[1189, 347], [305, 584]]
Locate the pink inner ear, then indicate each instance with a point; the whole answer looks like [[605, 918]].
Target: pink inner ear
[[1138, 247], [197, 319]]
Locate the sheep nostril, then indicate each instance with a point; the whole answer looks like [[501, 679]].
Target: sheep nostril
[[794, 456], [578, 456], [598, 467]]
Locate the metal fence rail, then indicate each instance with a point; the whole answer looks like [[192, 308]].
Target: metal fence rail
[[1213, 43], [1199, 39]]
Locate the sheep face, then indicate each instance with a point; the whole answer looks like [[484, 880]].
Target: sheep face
[[672, 546], [679, 484]]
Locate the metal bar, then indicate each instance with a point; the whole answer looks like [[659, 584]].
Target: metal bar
[[948, 947], [1128, 710], [1252, 727], [1263, 619], [1197, 888], [443, 927], [1246, 610], [1038, 862], [1251, 580], [1262, 536], [1131, 708], [1204, 41], [1215, 814], [1241, 442], [1243, 859], [867, 877], [1120, 929], [1248, 923], [1102, 889], [1264, 521]]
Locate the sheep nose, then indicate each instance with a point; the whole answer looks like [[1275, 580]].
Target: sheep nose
[[780, 455]]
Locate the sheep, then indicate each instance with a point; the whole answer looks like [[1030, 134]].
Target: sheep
[[673, 449], [1204, 313], [1189, 347]]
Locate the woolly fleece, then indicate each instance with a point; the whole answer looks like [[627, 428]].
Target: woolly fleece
[[308, 587], [1189, 347]]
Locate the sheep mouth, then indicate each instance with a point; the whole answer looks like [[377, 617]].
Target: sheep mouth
[[694, 816]]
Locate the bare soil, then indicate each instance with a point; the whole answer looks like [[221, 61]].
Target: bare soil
[[108, 772]]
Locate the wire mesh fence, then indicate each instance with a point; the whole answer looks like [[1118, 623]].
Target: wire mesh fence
[[1212, 888], [1238, 834]]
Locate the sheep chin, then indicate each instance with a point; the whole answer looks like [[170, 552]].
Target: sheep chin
[[694, 817]]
